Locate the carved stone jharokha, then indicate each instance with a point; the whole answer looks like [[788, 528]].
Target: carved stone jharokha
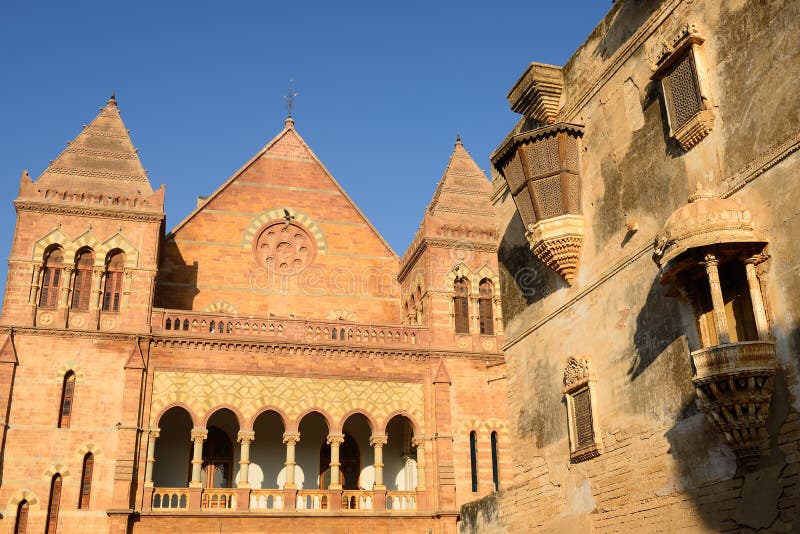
[[701, 242], [679, 67], [542, 170]]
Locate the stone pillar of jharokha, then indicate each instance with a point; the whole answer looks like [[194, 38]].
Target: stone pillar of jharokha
[[720, 321]]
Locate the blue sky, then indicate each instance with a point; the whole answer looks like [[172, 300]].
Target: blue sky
[[383, 88]]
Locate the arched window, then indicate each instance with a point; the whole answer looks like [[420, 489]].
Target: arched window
[[86, 480], [67, 394], [82, 289], [51, 277], [21, 525], [53, 505], [486, 293], [461, 305], [473, 459], [115, 268], [495, 468]]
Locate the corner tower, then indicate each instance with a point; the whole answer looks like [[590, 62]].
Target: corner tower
[[449, 275]]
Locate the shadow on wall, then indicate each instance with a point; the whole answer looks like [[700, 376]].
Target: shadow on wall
[[176, 287], [661, 321], [525, 279], [726, 497]]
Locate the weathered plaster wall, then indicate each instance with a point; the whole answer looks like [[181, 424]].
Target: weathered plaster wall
[[664, 466]]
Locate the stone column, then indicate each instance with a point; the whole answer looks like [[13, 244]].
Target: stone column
[[420, 445], [36, 284], [289, 487], [753, 283], [720, 321], [335, 440], [199, 435], [97, 293], [377, 441], [244, 437], [152, 436], [66, 285]]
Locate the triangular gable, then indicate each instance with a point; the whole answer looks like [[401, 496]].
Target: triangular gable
[[279, 147]]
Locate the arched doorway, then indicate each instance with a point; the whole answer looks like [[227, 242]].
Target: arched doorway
[[173, 450]]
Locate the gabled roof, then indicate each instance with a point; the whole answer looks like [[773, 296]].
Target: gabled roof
[[461, 180], [287, 136], [101, 159]]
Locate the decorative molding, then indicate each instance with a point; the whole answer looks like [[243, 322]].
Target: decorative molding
[[557, 242], [576, 373], [537, 93], [82, 211]]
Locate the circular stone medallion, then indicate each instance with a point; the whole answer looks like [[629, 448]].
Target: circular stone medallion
[[285, 249]]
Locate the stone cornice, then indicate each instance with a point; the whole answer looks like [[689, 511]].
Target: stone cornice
[[86, 211], [442, 242], [55, 332]]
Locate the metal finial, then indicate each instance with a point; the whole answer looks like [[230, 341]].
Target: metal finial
[[290, 98], [458, 139]]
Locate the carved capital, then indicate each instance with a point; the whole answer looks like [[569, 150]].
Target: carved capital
[[245, 436], [335, 439], [291, 438], [154, 433], [709, 260], [419, 443], [199, 434], [378, 440]]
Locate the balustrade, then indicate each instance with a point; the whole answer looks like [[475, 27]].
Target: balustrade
[[170, 499]]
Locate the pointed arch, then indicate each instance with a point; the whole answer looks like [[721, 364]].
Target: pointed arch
[[54, 237], [51, 276], [120, 242]]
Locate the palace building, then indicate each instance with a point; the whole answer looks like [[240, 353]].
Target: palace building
[[647, 204], [268, 365]]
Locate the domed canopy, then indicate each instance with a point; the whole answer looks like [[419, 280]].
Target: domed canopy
[[705, 221]]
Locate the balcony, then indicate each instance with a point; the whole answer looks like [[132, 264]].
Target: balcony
[[183, 323], [265, 501], [734, 383]]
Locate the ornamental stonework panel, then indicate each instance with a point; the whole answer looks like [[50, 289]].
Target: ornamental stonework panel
[[202, 392]]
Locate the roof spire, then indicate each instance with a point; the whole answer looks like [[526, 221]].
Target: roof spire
[[458, 139], [113, 100]]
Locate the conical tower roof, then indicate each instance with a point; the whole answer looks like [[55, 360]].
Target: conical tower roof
[[100, 160], [463, 185]]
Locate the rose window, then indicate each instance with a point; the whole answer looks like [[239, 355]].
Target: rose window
[[285, 248]]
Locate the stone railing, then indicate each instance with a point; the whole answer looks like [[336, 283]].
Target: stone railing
[[218, 499], [170, 499], [357, 500], [401, 500], [734, 383], [312, 500], [181, 322], [266, 499]]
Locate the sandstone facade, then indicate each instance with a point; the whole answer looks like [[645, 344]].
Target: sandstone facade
[[270, 364], [689, 363]]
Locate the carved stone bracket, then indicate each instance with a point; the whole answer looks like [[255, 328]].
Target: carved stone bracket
[[537, 93], [734, 384], [557, 242]]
